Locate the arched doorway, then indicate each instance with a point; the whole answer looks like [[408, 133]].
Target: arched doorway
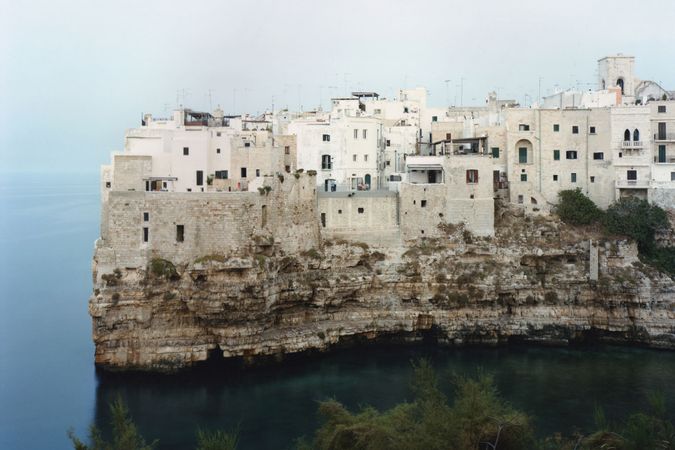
[[619, 83]]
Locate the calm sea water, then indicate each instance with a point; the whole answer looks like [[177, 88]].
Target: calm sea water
[[48, 224]]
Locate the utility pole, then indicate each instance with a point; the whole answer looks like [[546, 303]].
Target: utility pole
[[461, 92], [210, 91], [447, 92]]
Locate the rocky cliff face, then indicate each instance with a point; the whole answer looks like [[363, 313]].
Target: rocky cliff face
[[531, 282]]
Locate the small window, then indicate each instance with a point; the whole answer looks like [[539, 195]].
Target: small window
[[662, 108], [325, 162], [257, 172], [360, 210], [620, 155], [243, 172], [218, 150], [365, 134], [495, 152], [405, 109], [598, 155], [573, 177], [218, 133], [672, 176], [556, 155], [186, 151], [146, 216], [520, 199], [356, 133], [247, 144], [472, 176], [108, 184], [523, 177], [287, 169], [434, 118], [377, 111], [326, 137], [571, 154], [423, 203], [339, 211], [448, 136], [631, 175], [146, 234], [354, 158], [555, 177], [323, 220], [365, 158], [287, 150], [556, 127], [221, 174], [592, 130], [575, 129], [523, 127], [592, 179], [388, 163], [388, 143], [180, 233]]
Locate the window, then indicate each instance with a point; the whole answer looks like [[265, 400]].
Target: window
[[523, 177], [326, 137], [108, 184], [592, 130], [218, 133], [146, 217], [522, 155], [243, 172], [405, 109], [434, 118], [631, 175], [365, 134], [556, 155], [598, 155], [287, 150], [423, 204], [556, 127], [520, 199], [388, 163], [472, 176], [662, 153], [354, 158], [495, 152], [575, 129], [247, 144], [662, 108], [523, 127], [146, 234], [377, 111], [636, 135], [356, 133], [620, 155], [592, 179], [221, 174], [287, 169], [388, 143], [186, 151], [448, 136], [573, 177], [339, 211], [555, 177], [325, 162], [626, 135], [323, 220], [200, 178], [662, 131], [180, 233], [360, 210], [672, 176], [257, 172], [571, 154], [218, 150]]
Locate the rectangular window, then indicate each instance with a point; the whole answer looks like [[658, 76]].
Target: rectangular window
[[360, 210], [221, 174], [108, 184], [365, 134], [520, 199], [146, 217], [186, 151], [287, 169], [555, 177], [287, 150], [365, 158], [573, 177], [377, 111], [662, 108], [592, 179], [556, 155], [556, 127], [423, 203], [257, 172], [325, 162], [200, 178], [356, 133], [592, 130], [662, 153], [523, 127], [523, 177], [598, 155], [323, 220], [448, 136], [631, 175], [326, 137], [522, 155], [243, 172], [472, 176], [662, 131], [354, 158], [180, 233], [388, 163], [388, 143], [247, 144], [218, 150], [218, 133], [495, 152], [575, 129], [146, 234], [571, 154], [434, 118], [672, 176]]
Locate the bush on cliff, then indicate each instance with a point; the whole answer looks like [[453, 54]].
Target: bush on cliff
[[575, 208], [162, 268]]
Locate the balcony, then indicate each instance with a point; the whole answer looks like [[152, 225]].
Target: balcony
[[631, 144], [632, 184], [664, 137]]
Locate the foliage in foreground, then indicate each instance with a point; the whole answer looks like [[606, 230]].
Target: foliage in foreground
[[575, 208]]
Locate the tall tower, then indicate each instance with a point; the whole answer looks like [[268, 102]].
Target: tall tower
[[618, 70]]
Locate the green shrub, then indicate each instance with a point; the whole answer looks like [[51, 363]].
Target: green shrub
[[575, 208], [636, 219], [162, 268]]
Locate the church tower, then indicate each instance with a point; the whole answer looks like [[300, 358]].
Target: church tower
[[619, 71]]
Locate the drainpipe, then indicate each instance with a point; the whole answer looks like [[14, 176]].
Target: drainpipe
[[539, 138]]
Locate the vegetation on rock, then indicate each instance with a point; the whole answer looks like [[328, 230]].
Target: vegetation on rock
[[162, 268], [576, 209]]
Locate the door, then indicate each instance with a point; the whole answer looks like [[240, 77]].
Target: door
[[662, 153], [200, 177], [367, 181]]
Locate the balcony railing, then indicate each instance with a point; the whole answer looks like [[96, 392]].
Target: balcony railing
[[631, 144], [664, 137], [632, 183]]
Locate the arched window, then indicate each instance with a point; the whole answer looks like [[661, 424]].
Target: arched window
[[619, 83], [636, 135], [626, 135]]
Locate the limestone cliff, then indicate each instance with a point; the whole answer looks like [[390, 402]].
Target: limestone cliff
[[533, 281]]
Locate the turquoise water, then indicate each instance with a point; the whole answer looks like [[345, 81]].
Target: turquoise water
[[48, 224]]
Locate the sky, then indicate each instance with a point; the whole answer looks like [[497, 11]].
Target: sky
[[74, 75]]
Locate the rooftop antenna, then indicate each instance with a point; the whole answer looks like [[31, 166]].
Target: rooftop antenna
[[234, 101], [210, 91], [461, 94], [447, 92]]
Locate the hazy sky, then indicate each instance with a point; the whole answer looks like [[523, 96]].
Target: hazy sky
[[75, 74]]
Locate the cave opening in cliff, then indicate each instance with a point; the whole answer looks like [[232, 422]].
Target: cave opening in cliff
[[215, 357]]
